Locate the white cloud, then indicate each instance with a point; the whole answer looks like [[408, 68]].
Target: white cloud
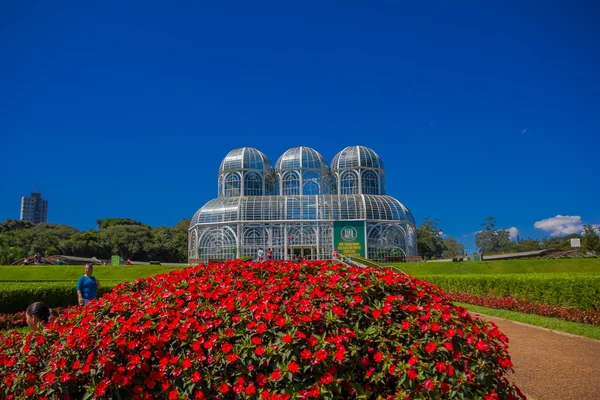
[[560, 225], [524, 131], [513, 233]]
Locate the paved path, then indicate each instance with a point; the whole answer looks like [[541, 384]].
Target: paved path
[[552, 365]]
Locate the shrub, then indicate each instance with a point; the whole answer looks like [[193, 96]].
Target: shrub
[[16, 296], [581, 290], [572, 314], [271, 329], [11, 321]]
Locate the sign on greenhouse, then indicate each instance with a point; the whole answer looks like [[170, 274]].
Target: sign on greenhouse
[[349, 237]]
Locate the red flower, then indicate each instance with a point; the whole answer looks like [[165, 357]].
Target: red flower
[[275, 375], [231, 357], [250, 389], [196, 376], [431, 346], [287, 338], [405, 325], [411, 373], [326, 378], [481, 346], [440, 366], [224, 388], [226, 347], [378, 356], [428, 384], [49, 378], [339, 311], [256, 340], [187, 363], [293, 367], [65, 377], [305, 354], [321, 354], [261, 379], [238, 387]]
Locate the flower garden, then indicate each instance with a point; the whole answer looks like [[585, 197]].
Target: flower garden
[[270, 330]]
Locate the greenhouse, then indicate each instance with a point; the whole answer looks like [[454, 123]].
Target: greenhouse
[[302, 207]]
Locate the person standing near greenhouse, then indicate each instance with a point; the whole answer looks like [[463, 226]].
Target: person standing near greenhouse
[[87, 286], [260, 254]]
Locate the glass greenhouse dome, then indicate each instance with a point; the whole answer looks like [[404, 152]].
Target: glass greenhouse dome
[[302, 207]]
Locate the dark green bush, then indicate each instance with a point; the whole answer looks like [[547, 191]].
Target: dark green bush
[[579, 290], [16, 296]]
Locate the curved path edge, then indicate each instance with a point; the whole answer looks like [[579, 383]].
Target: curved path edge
[[549, 364]]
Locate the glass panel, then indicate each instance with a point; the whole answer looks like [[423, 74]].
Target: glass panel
[[370, 183], [232, 185], [253, 184], [291, 184], [349, 183]]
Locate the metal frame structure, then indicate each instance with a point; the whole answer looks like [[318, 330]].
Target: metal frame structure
[[292, 207]]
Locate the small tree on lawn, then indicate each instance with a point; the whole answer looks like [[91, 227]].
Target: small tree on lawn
[[591, 241]]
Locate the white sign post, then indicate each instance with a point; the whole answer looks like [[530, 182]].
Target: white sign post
[[575, 243]]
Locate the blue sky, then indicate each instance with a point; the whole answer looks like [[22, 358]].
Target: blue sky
[[125, 109]]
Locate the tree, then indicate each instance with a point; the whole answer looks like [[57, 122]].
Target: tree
[[490, 239], [108, 222], [591, 241], [126, 240], [454, 249], [8, 253], [15, 224], [429, 239]]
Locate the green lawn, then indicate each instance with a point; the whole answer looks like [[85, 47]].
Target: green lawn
[[590, 265], [586, 330], [120, 273]]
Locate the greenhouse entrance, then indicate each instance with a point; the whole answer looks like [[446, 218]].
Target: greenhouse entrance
[[307, 252]]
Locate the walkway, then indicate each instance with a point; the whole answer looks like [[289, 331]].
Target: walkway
[[552, 365]]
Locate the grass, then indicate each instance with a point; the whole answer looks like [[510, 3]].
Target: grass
[[590, 331], [72, 273], [589, 265]]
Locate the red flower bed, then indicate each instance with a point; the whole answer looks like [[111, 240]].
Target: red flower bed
[[508, 303], [11, 321], [272, 330]]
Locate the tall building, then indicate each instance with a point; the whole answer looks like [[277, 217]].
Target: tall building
[[34, 208], [302, 207]]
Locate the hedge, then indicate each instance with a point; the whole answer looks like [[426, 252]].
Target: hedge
[[16, 296], [581, 290]]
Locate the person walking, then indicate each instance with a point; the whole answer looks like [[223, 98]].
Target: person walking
[[269, 254], [87, 286]]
